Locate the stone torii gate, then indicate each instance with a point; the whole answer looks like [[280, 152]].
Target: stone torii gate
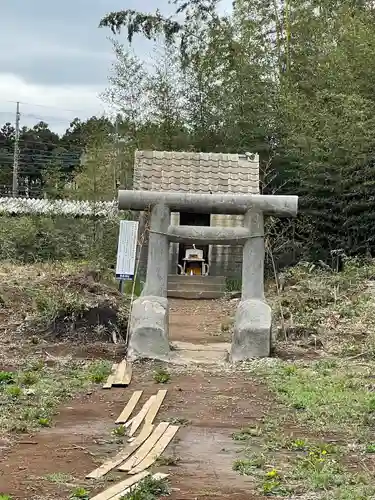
[[149, 317]]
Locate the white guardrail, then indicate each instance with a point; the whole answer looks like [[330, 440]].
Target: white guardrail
[[67, 208]]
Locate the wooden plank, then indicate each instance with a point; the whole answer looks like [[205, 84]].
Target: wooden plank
[[120, 374], [145, 449], [111, 377], [150, 417], [110, 464], [147, 429], [121, 456], [157, 450], [138, 419], [128, 410], [109, 493], [158, 475], [128, 374]]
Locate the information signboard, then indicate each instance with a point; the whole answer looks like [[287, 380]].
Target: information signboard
[[126, 250]]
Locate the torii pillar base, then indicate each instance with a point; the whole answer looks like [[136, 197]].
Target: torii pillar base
[[149, 329], [252, 331]]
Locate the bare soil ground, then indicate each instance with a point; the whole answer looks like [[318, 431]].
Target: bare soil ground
[[214, 407], [200, 321], [266, 421]]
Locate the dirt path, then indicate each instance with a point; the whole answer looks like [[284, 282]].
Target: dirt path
[[50, 463], [214, 407], [199, 321]]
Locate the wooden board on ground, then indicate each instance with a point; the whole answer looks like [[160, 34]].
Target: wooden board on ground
[[146, 447], [147, 429], [128, 410], [157, 476], [121, 456], [123, 374], [138, 419], [159, 398], [157, 450], [111, 377], [109, 493]]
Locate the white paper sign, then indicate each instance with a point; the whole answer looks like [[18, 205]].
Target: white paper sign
[[126, 250]]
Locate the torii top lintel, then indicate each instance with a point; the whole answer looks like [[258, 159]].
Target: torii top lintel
[[281, 206]]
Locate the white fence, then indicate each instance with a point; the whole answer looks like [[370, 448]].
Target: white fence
[[67, 208]]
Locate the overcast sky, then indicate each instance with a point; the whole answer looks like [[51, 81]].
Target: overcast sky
[[55, 60]]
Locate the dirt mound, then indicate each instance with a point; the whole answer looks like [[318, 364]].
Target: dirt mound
[[61, 302]]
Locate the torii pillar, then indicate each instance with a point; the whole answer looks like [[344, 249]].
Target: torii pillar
[[149, 316]]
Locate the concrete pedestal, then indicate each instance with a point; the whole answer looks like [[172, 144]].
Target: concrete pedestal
[[252, 331], [149, 328]]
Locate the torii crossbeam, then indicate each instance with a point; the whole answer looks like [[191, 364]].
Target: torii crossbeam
[[149, 317]]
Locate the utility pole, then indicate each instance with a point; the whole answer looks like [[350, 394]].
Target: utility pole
[[117, 155], [16, 151]]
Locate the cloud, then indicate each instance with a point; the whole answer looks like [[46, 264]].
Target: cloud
[[59, 58], [54, 56], [55, 104], [55, 42]]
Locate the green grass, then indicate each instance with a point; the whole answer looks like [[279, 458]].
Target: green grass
[[247, 466], [330, 396], [370, 448], [148, 489], [326, 398], [161, 376], [119, 431], [351, 492], [6, 377], [30, 399], [319, 439], [59, 478], [80, 493]]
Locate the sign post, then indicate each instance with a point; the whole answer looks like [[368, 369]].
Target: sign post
[[126, 251]]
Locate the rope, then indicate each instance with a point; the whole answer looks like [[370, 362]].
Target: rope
[[224, 239]]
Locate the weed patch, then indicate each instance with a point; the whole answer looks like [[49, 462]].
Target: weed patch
[[370, 448], [59, 478], [80, 494], [247, 432], [28, 407], [316, 307], [63, 300], [148, 489], [119, 431], [330, 398], [161, 376], [6, 377], [168, 461], [247, 466]]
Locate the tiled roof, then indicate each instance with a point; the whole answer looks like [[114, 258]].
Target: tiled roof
[[196, 172]]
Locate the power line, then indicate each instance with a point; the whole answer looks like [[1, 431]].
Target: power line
[[27, 153], [48, 106], [45, 118]]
